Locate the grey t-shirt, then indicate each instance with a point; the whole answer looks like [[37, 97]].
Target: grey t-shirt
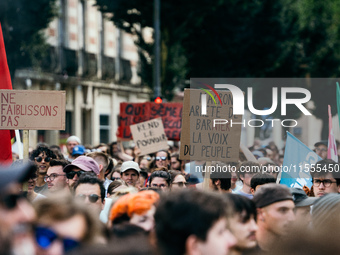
[[41, 190]]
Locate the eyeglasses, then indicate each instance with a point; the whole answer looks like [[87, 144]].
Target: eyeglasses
[[115, 178], [92, 198], [70, 175], [327, 182], [160, 158], [319, 149], [52, 177], [180, 184], [39, 159], [10, 201], [45, 237]]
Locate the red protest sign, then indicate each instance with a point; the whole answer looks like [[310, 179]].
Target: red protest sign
[[133, 113]]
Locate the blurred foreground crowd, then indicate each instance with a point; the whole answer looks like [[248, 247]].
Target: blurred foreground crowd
[[111, 200]]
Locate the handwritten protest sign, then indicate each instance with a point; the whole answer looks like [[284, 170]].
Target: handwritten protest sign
[[200, 139], [133, 113], [32, 109], [149, 136]]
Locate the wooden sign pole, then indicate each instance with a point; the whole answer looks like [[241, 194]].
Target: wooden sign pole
[[25, 140], [206, 179]]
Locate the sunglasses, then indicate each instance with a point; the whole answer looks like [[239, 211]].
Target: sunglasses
[[160, 158], [11, 201], [92, 198], [70, 175], [115, 178], [45, 237], [39, 159]]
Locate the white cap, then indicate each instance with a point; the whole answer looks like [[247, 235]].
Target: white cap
[[127, 165], [73, 138]]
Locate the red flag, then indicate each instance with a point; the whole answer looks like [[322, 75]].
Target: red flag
[[5, 83]]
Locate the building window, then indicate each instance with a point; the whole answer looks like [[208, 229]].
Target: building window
[[104, 128]]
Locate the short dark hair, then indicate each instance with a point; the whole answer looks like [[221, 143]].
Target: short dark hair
[[329, 164], [224, 178], [144, 174], [59, 162], [260, 179], [242, 204], [91, 178], [162, 174], [42, 149], [186, 212]]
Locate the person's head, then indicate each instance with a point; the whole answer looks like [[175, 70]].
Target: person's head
[[271, 168], [177, 180], [145, 162], [138, 209], [243, 222], [220, 181], [90, 190], [78, 166], [55, 177], [114, 149], [63, 224], [114, 185], [160, 179], [275, 209], [175, 162], [302, 207], [130, 173], [15, 210], [71, 142], [324, 177], [57, 151], [143, 176], [102, 147], [162, 158], [325, 214], [78, 150], [103, 161], [247, 170], [191, 221], [321, 148], [259, 179], [42, 157]]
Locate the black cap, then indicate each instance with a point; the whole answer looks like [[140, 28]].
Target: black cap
[[301, 199], [271, 193], [323, 142], [15, 174]]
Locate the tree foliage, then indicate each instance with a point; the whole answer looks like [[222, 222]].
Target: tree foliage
[[241, 38], [22, 24]]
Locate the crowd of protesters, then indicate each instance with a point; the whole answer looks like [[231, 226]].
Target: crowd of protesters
[[111, 200]]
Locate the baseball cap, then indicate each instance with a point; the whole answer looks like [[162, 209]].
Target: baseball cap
[[78, 150], [300, 198], [127, 165], [271, 193], [84, 163], [18, 173], [323, 142]]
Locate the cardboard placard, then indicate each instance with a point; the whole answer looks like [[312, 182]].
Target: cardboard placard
[[149, 136], [32, 109], [133, 113], [200, 140]]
